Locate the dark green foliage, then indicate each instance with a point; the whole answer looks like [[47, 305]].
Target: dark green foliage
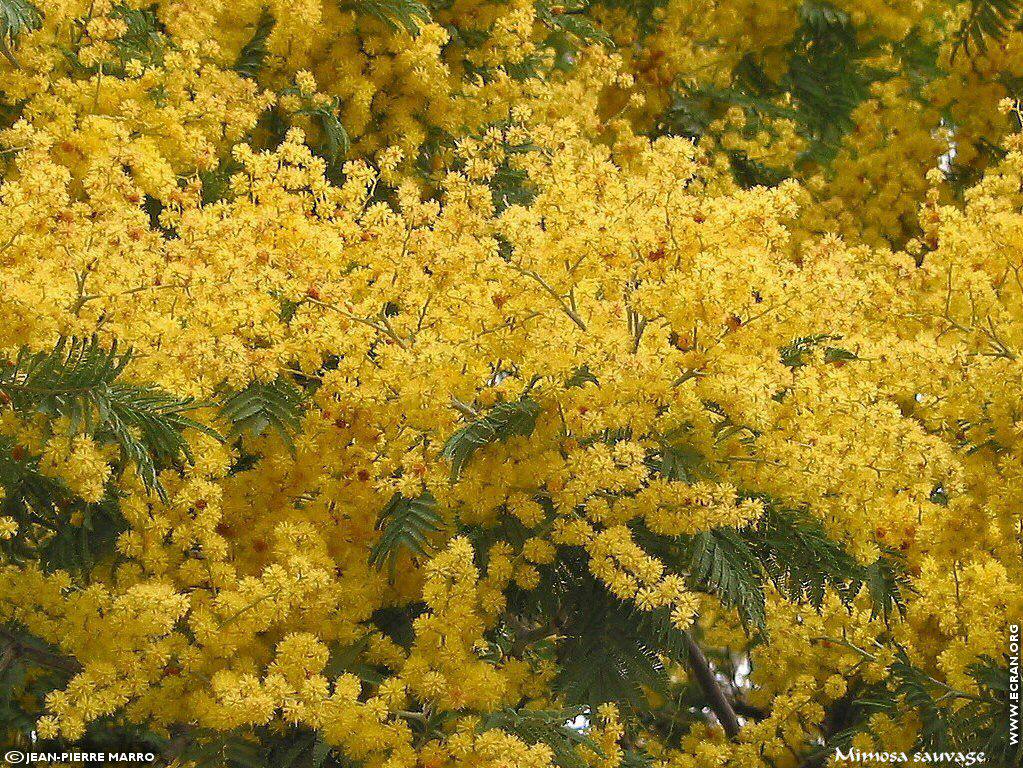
[[154, 415], [886, 581], [721, 562], [961, 177], [826, 76], [252, 57], [606, 657], [786, 548], [113, 734], [581, 377], [510, 186], [31, 669], [349, 659], [645, 12], [397, 622], [44, 507], [803, 563], [918, 57], [16, 18], [276, 404], [694, 108], [501, 422], [794, 353], [908, 686], [607, 651], [336, 143], [800, 559], [62, 382], [406, 525], [569, 24], [982, 724], [951, 720], [839, 355], [143, 40], [23, 679], [78, 547], [396, 14], [216, 183], [297, 747], [550, 727], [637, 758], [675, 459], [987, 20], [751, 173], [825, 79], [81, 380]]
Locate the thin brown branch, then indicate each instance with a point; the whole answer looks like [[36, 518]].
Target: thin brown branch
[[15, 647], [716, 699]]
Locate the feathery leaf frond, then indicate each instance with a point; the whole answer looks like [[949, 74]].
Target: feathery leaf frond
[[79, 380], [503, 421], [406, 526], [276, 404]]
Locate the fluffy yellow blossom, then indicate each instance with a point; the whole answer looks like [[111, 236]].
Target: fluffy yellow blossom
[[508, 384]]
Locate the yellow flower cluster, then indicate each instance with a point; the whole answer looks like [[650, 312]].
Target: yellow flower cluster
[[502, 237]]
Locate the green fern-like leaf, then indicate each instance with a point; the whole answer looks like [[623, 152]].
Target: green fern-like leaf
[[406, 526], [570, 19], [909, 687], [886, 582], [551, 727], [56, 528], [232, 750], [143, 39], [951, 719], [987, 20], [216, 182], [608, 653], [16, 18], [277, 404], [827, 76], [58, 382], [409, 15], [581, 377], [301, 749], [148, 423], [751, 173], [793, 354], [259, 748], [80, 380], [336, 143], [800, 559], [252, 57], [609, 665], [503, 421], [675, 461], [789, 548], [980, 726], [637, 758], [723, 564]]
